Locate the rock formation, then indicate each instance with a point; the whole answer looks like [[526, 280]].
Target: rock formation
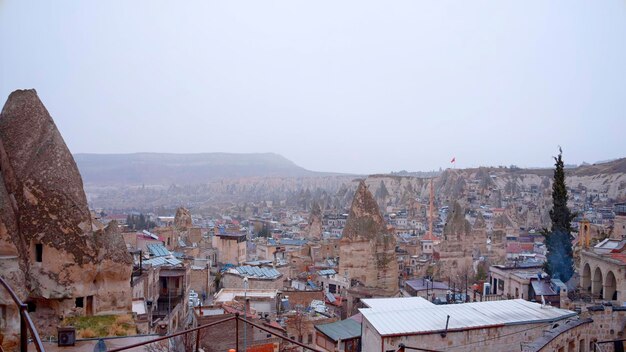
[[182, 220], [367, 249], [314, 228], [50, 251]]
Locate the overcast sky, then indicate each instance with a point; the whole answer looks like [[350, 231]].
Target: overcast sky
[[346, 86]]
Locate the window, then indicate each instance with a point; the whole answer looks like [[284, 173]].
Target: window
[[3, 316], [80, 303], [31, 307], [581, 346], [38, 252], [309, 339]]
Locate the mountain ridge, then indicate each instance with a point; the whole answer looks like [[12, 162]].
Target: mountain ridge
[[167, 168]]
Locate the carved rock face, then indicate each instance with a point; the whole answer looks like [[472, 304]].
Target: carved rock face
[[43, 178], [45, 222]]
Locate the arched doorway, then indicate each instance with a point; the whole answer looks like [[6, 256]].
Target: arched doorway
[[610, 287], [586, 278], [596, 283]]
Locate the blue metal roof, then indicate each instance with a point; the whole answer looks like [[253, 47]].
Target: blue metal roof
[[341, 330], [257, 272], [158, 250]]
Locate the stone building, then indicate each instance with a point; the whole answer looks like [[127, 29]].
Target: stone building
[[52, 252], [619, 223], [258, 278], [603, 268], [582, 333], [367, 250], [231, 248], [478, 326]]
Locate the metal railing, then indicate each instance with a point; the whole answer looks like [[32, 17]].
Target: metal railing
[[612, 345], [237, 319], [26, 323]]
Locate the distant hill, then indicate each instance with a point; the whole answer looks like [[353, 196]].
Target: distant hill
[[167, 168]]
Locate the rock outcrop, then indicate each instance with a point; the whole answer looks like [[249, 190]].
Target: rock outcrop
[[49, 248], [182, 220], [367, 249], [314, 228]]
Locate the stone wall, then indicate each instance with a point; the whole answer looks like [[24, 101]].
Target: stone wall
[[200, 281], [303, 298], [593, 325]]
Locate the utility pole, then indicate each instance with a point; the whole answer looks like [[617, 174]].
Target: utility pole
[[245, 312]]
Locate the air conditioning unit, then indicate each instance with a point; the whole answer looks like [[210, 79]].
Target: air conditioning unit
[[66, 336]]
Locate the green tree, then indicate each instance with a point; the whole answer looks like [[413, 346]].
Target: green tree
[[558, 239]]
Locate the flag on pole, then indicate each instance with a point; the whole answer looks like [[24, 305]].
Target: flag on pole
[[453, 160]]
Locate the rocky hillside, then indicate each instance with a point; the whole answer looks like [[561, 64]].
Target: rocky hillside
[[489, 186], [165, 169]]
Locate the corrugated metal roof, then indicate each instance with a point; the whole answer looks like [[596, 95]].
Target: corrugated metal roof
[[344, 329], [327, 272], [462, 316], [542, 288], [257, 272], [424, 284], [158, 261], [158, 250], [397, 303]]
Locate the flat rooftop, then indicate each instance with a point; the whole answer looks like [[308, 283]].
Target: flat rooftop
[[421, 319]]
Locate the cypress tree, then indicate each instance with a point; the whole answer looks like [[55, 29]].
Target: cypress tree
[[560, 264]]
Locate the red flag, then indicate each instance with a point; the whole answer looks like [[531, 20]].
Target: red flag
[[453, 160]]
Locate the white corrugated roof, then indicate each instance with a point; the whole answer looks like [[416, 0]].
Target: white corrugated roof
[[397, 303], [462, 316]]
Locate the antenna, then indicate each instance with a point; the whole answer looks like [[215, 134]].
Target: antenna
[[432, 208]]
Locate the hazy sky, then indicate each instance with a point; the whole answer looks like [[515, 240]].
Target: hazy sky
[[349, 86]]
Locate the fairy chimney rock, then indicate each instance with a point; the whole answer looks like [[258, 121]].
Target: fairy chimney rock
[[367, 249], [45, 222], [315, 222]]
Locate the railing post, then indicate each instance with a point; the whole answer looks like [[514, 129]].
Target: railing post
[[23, 330], [198, 340], [237, 332]]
